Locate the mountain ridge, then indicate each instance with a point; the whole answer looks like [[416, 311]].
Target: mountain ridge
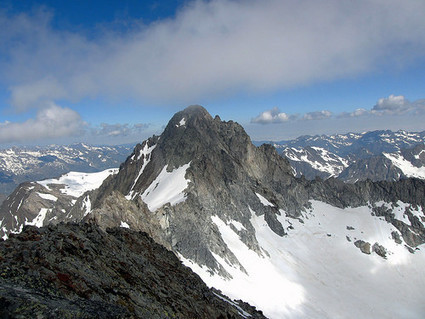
[[27, 164], [377, 155], [237, 215]]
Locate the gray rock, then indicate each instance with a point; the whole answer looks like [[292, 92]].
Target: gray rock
[[379, 250], [364, 247], [226, 172], [396, 236]]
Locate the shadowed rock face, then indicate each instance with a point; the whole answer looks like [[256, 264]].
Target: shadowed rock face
[[80, 271]]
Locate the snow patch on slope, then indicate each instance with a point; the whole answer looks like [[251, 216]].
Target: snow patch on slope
[[45, 196], [87, 205], [237, 225], [318, 158], [182, 122], [418, 156], [124, 225], [39, 219], [168, 187], [76, 183], [405, 166], [399, 213], [263, 200]]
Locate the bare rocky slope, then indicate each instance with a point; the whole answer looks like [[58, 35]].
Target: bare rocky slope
[[81, 271]]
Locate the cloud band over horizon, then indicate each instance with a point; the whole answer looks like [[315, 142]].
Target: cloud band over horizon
[[210, 48], [392, 105]]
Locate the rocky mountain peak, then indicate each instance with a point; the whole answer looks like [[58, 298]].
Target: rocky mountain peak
[[194, 118], [193, 132], [199, 167], [191, 113]]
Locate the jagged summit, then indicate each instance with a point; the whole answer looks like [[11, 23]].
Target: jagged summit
[[192, 132], [193, 111], [194, 116]]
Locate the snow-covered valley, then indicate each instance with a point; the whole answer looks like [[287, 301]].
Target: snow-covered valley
[[316, 271]]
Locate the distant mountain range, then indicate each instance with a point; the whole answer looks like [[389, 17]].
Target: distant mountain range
[[376, 155], [19, 165]]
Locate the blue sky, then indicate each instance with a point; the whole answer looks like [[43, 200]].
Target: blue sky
[[116, 71]]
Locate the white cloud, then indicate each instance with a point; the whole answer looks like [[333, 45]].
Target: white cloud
[[271, 116], [392, 105], [35, 94], [50, 122], [119, 130], [318, 115], [211, 48], [275, 116], [356, 113]]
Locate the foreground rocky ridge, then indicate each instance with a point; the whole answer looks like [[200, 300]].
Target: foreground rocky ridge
[[80, 271]]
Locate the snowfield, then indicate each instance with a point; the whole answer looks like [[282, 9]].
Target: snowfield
[[76, 183], [405, 166], [323, 160], [168, 187], [48, 197], [316, 271]]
